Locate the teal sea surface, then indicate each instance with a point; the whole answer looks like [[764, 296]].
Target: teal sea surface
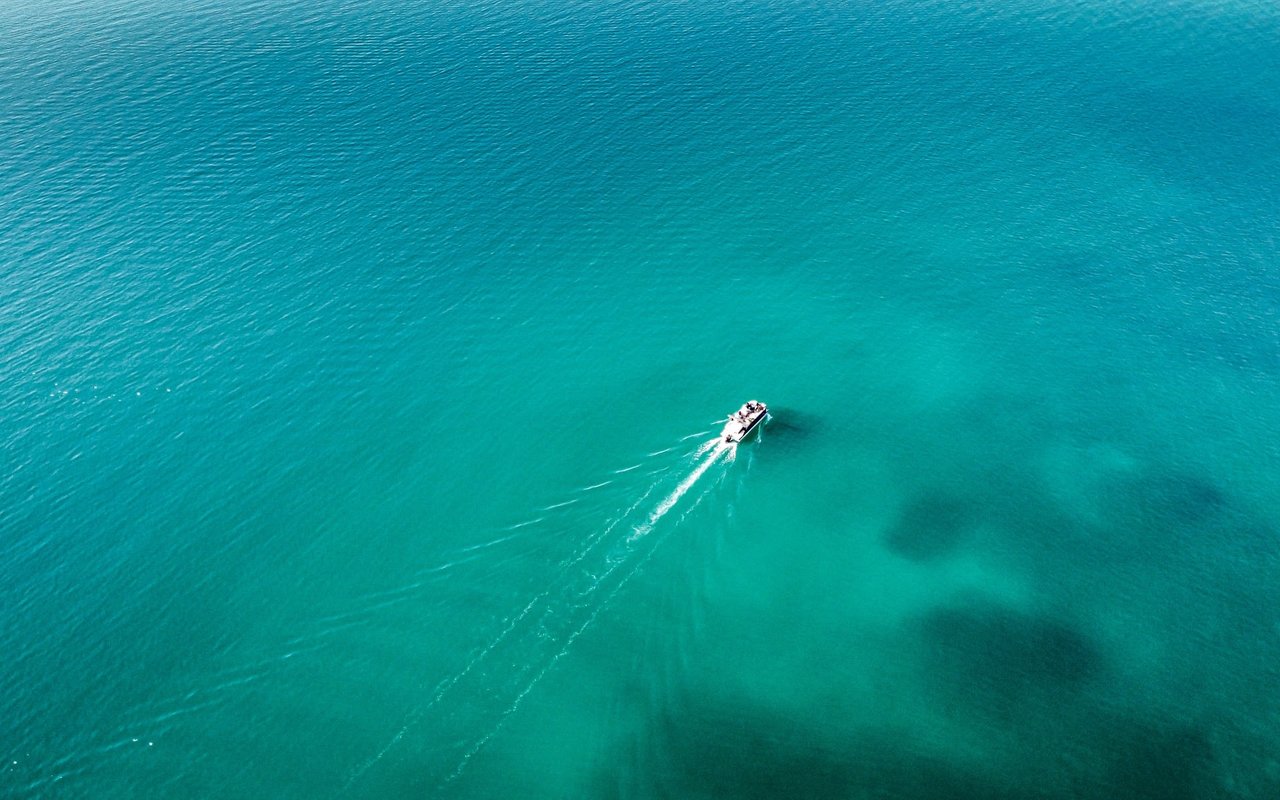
[[361, 362]]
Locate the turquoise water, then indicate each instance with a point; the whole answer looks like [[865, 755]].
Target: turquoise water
[[359, 361]]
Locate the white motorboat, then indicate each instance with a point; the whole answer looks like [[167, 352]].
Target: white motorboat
[[743, 421]]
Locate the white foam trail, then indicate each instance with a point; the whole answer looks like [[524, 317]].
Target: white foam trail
[[216, 682], [448, 565], [160, 712], [219, 684], [560, 505], [488, 544], [349, 619], [707, 445], [717, 449], [178, 712], [665, 506], [445, 686], [524, 524], [442, 689]]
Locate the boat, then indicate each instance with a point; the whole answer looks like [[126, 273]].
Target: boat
[[743, 421]]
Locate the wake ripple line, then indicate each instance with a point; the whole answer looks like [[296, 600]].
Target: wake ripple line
[[670, 500], [442, 689], [240, 675], [664, 507]]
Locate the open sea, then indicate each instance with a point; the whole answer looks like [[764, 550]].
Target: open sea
[[361, 361]]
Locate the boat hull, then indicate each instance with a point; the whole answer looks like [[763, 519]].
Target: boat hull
[[743, 423]]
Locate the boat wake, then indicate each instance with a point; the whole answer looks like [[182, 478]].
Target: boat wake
[[467, 709], [717, 448], [463, 709]]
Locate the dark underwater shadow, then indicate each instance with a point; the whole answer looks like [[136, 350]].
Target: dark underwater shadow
[[792, 424], [715, 744], [1175, 496], [787, 432], [932, 525], [996, 660], [719, 747], [1163, 763], [1165, 513]]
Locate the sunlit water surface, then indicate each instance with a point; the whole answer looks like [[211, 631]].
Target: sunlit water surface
[[361, 360]]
